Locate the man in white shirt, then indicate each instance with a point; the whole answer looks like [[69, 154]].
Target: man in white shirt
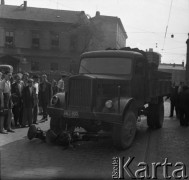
[[60, 84], [6, 103], [35, 109]]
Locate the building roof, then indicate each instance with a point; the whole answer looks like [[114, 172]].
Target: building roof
[[112, 19], [171, 66], [40, 14]]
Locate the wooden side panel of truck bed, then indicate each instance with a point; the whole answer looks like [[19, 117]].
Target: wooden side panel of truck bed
[[159, 84]]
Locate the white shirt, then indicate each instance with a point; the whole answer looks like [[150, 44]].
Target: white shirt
[[36, 85], [60, 84], [5, 86]]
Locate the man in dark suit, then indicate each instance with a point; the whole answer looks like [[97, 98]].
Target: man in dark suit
[[174, 101], [45, 94], [28, 95], [16, 91]]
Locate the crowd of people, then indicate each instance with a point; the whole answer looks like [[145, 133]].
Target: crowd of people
[[21, 97], [179, 100]]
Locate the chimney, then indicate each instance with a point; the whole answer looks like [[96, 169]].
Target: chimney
[[97, 13], [150, 49], [182, 63], [2, 2], [25, 4]]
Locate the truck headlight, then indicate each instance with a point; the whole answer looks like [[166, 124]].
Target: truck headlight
[[54, 100], [109, 104]]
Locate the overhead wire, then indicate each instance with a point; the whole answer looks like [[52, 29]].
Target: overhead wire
[[167, 24]]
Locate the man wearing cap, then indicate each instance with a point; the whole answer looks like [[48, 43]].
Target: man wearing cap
[[28, 96], [45, 94]]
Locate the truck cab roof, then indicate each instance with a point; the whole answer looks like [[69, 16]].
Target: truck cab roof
[[111, 53]]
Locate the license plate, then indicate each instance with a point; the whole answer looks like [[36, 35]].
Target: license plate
[[71, 114]]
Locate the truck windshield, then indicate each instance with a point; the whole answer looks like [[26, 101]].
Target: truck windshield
[[110, 65]]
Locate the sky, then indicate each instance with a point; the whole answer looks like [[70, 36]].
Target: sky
[[148, 23]]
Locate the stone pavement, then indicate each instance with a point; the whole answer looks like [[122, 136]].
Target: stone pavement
[[23, 159], [20, 133]]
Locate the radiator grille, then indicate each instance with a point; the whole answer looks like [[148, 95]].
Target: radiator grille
[[80, 93]]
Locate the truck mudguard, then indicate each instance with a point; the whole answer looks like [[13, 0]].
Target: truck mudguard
[[125, 104], [58, 100]]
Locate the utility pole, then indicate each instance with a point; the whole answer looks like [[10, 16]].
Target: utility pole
[[187, 61]]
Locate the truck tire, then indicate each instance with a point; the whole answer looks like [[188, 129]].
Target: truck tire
[[123, 135], [155, 115], [57, 124]]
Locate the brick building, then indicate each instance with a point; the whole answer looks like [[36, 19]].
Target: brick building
[[40, 39]]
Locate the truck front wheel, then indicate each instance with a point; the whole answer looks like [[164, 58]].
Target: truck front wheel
[[123, 135], [155, 115]]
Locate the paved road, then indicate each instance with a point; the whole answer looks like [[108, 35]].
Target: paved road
[[24, 159]]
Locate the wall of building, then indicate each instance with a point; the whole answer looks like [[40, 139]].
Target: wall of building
[[177, 75], [121, 40], [110, 31], [45, 55]]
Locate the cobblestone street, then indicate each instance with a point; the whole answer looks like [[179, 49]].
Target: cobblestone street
[[24, 159]]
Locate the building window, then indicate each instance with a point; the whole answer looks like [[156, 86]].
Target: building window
[[35, 66], [9, 39], [73, 43], [54, 66], [54, 40], [35, 40]]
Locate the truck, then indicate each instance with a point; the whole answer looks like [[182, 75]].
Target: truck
[[111, 90]]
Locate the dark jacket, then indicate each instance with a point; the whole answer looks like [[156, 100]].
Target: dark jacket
[[45, 94], [184, 99], [28, 98], [16, 94], [174, 94]]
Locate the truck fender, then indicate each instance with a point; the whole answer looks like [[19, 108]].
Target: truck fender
[[125, 105], [58, 100]]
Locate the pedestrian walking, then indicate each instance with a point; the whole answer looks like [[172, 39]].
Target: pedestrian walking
[[28, 95], [16, 91], [45, 94], [6, 103]]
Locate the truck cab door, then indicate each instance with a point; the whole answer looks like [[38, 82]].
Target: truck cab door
[[138, 81]]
